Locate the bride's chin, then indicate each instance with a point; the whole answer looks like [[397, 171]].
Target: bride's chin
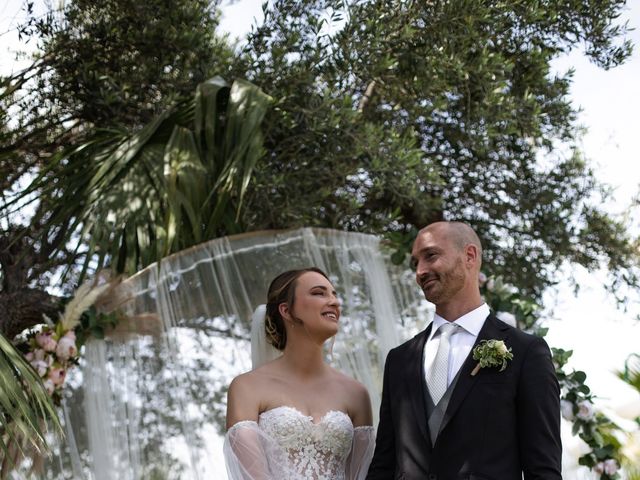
[[328, 336]]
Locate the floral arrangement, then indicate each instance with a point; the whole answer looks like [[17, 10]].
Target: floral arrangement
[[53, 348], [594, 428], [51, 353]]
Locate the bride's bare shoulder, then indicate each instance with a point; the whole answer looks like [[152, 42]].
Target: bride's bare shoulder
[[245, 396], [348, 382], [256, 378], [356, 397]]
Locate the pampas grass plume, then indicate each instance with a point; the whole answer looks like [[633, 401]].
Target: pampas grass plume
[[85, 296]]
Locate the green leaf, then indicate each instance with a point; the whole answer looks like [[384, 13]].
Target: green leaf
[[579, 376], [97, 332], [26, 410]]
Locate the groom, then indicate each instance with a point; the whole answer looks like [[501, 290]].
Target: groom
[[440, 417]]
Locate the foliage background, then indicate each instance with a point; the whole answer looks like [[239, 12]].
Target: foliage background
[[273, 188]]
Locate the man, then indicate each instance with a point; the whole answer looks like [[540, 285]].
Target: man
[[441, 418]]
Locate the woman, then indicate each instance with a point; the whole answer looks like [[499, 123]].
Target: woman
[[296, 417]]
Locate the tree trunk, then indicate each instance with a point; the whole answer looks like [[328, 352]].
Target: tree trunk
[[25, 308]]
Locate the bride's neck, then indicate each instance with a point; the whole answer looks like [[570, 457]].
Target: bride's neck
[[304, 359]]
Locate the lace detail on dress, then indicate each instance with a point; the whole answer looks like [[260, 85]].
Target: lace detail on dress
[[315, 451]]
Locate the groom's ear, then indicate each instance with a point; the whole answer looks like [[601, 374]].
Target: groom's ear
[[472, 254]]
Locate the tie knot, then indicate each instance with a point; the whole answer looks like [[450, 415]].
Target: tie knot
[[447, 329]]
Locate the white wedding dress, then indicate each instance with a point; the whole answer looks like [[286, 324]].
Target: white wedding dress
[[285, 444]]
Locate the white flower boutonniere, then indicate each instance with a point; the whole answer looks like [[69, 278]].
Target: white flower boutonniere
[[491, 353]]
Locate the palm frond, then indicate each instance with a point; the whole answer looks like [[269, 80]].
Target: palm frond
[[180, 180], [26, 410]]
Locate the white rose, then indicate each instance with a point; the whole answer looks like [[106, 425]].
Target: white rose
[[610, 466], [508, 318], [566, 407], [502, 348], [491, 283], [585, 410]]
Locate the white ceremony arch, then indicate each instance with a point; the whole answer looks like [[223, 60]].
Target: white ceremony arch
[[149, 400]]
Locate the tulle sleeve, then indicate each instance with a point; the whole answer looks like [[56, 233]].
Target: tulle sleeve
[[364, 441], [250, 454]]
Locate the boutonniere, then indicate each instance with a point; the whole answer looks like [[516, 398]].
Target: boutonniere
[[491, 353]]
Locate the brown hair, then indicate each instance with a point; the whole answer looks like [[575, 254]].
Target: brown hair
[[282, 290]]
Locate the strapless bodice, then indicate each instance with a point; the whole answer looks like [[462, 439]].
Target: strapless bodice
[[316, 451]]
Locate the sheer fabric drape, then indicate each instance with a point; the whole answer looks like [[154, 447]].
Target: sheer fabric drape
[[149, 399], [364, 442]]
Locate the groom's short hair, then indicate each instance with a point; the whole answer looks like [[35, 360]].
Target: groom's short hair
[[463, 235], [460, 233]]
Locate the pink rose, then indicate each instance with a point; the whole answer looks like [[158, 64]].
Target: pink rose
[[39, 354], [46, 341], [482, 279], [599, 468], [57, 375], [67, 347]]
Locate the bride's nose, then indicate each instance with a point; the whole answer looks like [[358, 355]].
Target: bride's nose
[[334, 300]]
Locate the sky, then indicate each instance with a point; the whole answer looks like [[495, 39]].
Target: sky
[[600, 334]]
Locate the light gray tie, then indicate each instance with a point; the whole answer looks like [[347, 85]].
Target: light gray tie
[[439, 371]]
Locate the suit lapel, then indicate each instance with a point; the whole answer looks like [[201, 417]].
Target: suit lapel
[[492, 329], [415, 380]]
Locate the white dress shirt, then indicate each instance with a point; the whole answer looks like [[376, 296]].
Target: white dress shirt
[[461, 341]]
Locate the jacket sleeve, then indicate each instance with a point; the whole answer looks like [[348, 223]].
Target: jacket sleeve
[[539, 415], [384, 457]]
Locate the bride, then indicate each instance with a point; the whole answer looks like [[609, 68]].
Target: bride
[[296, 417]]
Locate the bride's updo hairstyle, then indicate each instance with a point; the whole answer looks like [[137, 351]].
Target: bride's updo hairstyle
[[282, 290]]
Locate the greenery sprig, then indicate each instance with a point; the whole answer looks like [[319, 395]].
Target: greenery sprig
[[491, 353]]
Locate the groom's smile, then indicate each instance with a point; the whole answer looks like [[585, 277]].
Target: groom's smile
[[428, 282]]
